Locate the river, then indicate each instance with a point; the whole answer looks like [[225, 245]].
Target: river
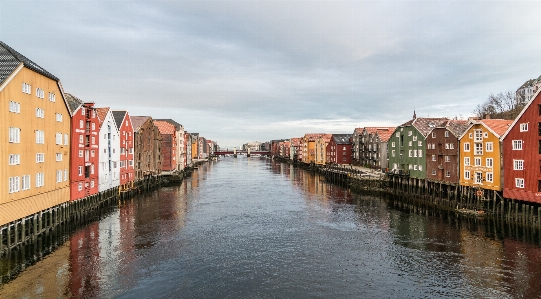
[[253, 228]]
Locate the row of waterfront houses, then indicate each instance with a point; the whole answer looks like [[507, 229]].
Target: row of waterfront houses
[[474, 152], [59, 148]]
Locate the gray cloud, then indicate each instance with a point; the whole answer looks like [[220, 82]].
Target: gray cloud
[[237, 71]]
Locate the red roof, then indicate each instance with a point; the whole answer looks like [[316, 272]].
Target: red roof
[[165, 127], [499, 126], [385, 133], [138, 121], [102, 113]]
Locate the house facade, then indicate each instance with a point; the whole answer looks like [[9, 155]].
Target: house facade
[[84, 153], [109, 151], [321, 149], [180, 154], [526, 91], [356, 141], [442, 152], [294, 148], [309, 147], [147, 147], [372, 146], [35, 134], [522, 154], [168, 146], [407, 148], [339, 149], [188, 149], [125, 131], [481, 154]]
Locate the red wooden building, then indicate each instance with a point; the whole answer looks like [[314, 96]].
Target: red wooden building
[[84, 156], [125, 131], [339, 149], [169, 145], [522, 154]]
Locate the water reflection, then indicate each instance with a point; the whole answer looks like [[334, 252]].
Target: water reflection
[[253, 228]]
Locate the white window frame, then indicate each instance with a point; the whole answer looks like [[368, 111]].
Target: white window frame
[[58, 157], [58, 137], [466, 146], [27, 88], [524, 127], [466, 161], [478, 148], [14, 184], [14, 135], [25, 182], [14, 107], [517, 145], [52, 97], [40, 157], [40, 179], [489, 147], [518, 164], [59, 117], [14, 159], [519, 183], [40, 137], [447, 159], [490, 177], [59, 176], [478, 177], [420, 153], [489, 162]]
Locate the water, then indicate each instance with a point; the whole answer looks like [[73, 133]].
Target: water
[[251, 228]]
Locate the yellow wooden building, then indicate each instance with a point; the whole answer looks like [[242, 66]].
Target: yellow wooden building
[[35, 135], [321, 148], [480, 154], [309, 147]]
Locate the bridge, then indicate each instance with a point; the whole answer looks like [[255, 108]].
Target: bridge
[[237, 152]]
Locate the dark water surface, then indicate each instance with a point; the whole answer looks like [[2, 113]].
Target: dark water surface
[[251, 228]]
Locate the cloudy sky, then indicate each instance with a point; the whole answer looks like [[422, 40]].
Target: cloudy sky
[[240, 71]]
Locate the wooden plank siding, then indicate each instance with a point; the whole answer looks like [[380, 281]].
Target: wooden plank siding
[[27, 202]]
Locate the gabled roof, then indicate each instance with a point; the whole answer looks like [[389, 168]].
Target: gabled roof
[[342, 138], [358, 130], [425, 125], [73, 102], [119, 117], [313, 136], [522, 112], [11, 59], [295, 141], [165, 127], [102, 113], [457, 127], [138, 121], [385, 133], [326, 137], [174, 123], [497, 126]]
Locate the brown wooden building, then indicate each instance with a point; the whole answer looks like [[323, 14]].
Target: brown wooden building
[[148, 140], [442, 151]]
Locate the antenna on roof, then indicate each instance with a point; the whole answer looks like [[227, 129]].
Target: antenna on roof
[[414, 114]]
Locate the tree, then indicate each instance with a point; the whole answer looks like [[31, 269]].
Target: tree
[[503, 105]]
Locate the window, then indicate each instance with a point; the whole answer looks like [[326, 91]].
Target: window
[[393, 153], [415, 153], [490, 177], [524, 127], [40, 157], [80, 170], [14, 184], [420, 167], [433, 171], [93, 126], [414, 138], [14, 159], [58, 117], [40, 93], [489, 162], [433, 157], [59, 176], [519, 182], [409, 153], [467, 147], [92, 153], [420, 153], [470, 135], [65, 174], [80, 187], [397, 134], [477, 161], [58, 157], [447, 174], [485, 134], [489, 146], [414, 167], [58, 137], [14, 107], [466, 161], [27, 88], [517, 145], [446, 133], [478, 148], [478, 135], [433, 135], [66, 139], [447, 146], [92, 184], [131, 162], [52, 97], [40, 179], [93, 140], [478, 177], [409, 133], [14, 135], [80, 138], [40, 113], [420, 143], [80, 153], [392, 144], [447, 159], [409, 143], [82, 111], [451, 145], [40, 137], [25, 182], [518, 164]]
